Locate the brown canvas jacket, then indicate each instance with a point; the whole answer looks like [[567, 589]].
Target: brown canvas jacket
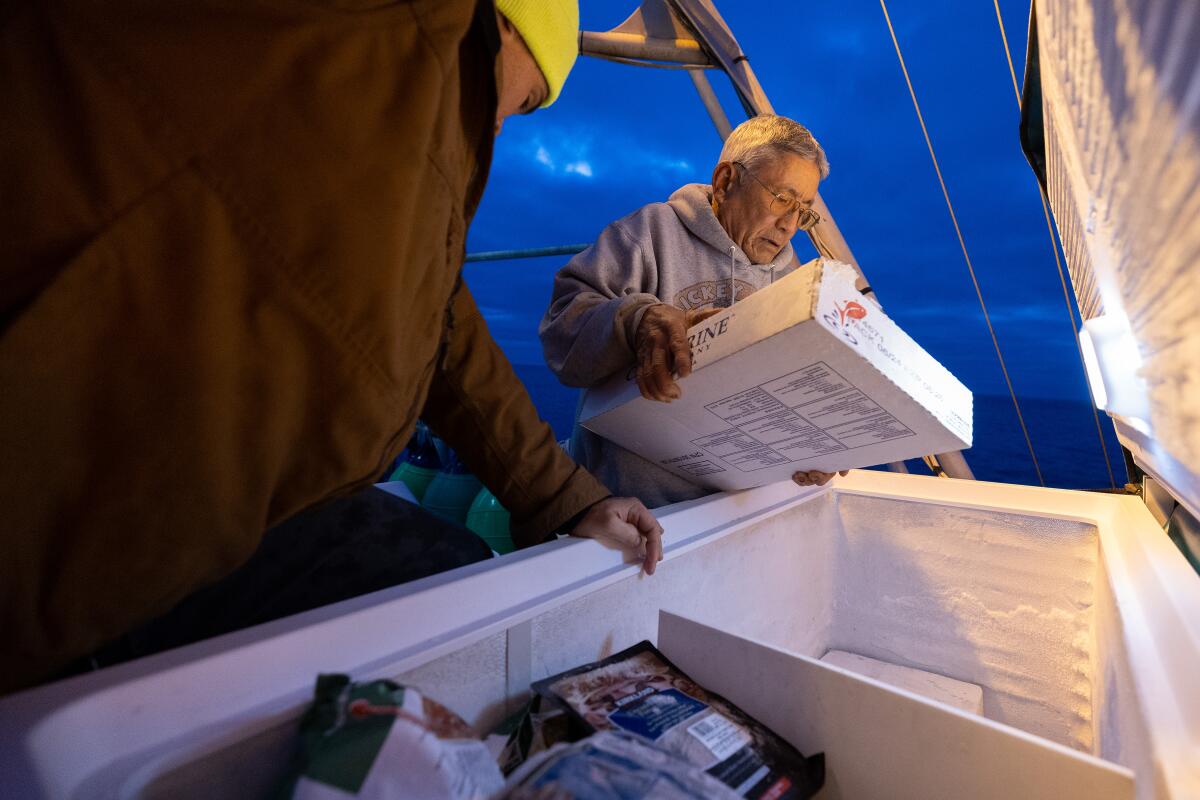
[[230, 244]]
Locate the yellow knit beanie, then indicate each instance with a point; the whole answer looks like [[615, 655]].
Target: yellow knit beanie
[[550, 29]]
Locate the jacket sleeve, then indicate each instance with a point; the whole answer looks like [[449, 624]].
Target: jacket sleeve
[[599, 298], [221, 296], [479, 407]]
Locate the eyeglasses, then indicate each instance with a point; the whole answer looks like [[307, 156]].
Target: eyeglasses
[[782, 204]]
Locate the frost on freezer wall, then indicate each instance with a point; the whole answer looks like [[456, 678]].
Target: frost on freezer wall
[[1005, 601], [1121, 86]]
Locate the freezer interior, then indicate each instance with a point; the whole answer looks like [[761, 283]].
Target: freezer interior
[[1020, 601]]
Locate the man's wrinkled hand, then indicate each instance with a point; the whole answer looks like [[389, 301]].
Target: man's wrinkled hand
[[662, 350], [815, 478], [624, 523]]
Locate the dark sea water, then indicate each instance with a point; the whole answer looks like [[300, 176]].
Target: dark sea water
[[1063, 434]]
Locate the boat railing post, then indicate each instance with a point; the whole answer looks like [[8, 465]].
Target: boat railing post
[[711, 104]]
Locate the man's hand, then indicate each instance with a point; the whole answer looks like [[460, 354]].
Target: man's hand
[[662, 349], [815, 478], [624, 523]]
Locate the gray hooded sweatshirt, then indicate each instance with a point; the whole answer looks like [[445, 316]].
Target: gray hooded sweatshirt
[[675, 253]]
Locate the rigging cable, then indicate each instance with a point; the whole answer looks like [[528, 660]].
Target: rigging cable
[[954, 218], [1054, 249]]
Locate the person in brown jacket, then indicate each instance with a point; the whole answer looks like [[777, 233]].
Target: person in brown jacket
[[230, 282]]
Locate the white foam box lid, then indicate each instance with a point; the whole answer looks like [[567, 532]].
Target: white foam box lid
[[804, 374]]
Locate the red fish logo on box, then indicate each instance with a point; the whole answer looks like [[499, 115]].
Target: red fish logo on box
[[851, 310]]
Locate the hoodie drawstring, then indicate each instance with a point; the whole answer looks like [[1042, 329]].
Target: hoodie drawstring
[[732, 280]]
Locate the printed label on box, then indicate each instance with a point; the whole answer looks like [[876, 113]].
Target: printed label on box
[[806, 413]]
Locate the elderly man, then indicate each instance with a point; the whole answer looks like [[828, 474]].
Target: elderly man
[[631, 296]]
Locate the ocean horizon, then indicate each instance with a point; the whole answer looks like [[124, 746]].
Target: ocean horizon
[[1063, 433]]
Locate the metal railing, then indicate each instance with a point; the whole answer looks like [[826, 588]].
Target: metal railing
[[528, 252]]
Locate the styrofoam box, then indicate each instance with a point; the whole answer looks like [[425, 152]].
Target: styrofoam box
[[1072, 611], [804, 374]]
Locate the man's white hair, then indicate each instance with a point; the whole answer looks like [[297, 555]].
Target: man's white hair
[[759, 138]]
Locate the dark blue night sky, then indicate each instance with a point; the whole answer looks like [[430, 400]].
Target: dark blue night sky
[[622, 136]]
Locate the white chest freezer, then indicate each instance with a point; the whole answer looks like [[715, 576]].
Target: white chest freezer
[[1072, 611]]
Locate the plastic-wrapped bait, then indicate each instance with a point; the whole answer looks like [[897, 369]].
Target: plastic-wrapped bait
[[612, 765], [640, 691]]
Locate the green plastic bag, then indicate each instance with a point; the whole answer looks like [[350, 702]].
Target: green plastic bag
[[382, 740]]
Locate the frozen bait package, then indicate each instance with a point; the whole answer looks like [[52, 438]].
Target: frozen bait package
[[612, 765], [377, 740], [638, 690]]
